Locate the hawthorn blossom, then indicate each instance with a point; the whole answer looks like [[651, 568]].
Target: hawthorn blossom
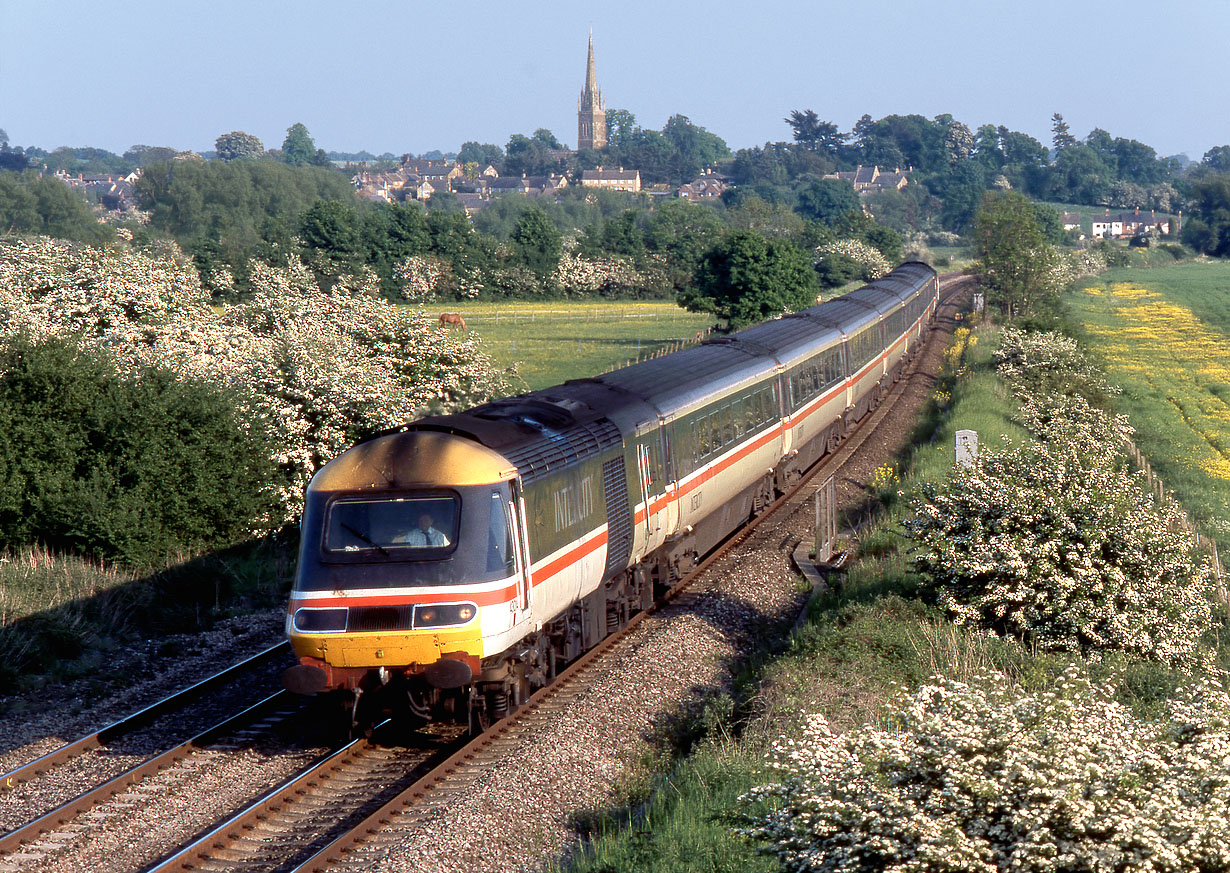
[[984, 777], [319, 368]]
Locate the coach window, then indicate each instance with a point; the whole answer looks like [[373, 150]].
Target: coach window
[[728, 425]]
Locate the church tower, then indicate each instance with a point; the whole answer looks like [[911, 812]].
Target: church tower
[[591, 109]]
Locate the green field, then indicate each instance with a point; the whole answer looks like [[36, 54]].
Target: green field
[[553, 341], [1164, 337]]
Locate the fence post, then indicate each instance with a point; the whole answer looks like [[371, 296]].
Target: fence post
[[826, 521]]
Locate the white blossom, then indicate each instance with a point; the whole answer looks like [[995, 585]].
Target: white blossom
[[319, 368], [983, 777]]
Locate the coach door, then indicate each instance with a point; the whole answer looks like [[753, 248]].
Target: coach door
[[652, 484], [517, 528]]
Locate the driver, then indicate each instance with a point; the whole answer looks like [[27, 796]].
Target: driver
[[425, 535]]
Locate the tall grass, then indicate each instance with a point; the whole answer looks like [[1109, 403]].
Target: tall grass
[[63, 617]]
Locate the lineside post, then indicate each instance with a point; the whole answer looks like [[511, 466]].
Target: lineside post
[[826, 521]]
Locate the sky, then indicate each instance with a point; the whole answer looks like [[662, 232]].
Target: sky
[[407, 77]]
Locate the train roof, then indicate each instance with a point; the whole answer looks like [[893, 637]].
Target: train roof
[[690, 377], [789, 338], [844, 314], [877, 297]]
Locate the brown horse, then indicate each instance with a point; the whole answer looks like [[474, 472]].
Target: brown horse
[[452, 318]]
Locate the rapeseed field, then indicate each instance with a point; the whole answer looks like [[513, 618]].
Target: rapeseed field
[[1164, 337]]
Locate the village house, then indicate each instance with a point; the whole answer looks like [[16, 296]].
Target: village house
[[709, 186], [612, 180], [869, 180], [1128, 224], [115, 193]]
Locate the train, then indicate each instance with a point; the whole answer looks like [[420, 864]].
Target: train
[[454, 565]]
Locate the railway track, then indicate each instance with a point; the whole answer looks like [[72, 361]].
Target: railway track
[[347, 808], [100, 757]]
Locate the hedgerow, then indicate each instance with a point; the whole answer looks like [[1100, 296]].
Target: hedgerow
[[129, 468], [1057, 542], [1047, 544], [984, 777], [314, 368]]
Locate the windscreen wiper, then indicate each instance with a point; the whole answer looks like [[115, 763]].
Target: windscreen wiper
[[358, 533]]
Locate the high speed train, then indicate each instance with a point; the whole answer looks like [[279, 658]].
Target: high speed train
[[454, 565]]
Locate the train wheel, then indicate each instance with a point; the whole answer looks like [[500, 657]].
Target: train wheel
[[480, 718]]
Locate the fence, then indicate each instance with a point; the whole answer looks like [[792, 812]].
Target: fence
[[1158, 487], [701, 336]]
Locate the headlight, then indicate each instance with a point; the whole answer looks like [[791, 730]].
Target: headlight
[[444, 615], [314, 620]]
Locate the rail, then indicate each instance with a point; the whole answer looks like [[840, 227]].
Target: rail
[[138, 719]]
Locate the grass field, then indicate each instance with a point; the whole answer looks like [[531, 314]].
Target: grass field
[[556, 340], [1164, 336]]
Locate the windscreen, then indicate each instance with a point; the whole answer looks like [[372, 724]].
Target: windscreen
[[443, 537], [396, 524]]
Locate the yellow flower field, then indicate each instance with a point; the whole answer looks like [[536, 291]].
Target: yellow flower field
[[1175, 371]]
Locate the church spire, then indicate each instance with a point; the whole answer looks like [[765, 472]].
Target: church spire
[[591, 72], [591, 108]]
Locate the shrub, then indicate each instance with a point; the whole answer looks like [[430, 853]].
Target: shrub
[[871, 263], [1038, 363], [1056, 542], [1050, 544], [985, 778], [318, 368], [128, 468]]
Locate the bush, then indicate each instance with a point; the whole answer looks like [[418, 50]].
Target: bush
[[1051, 545], [986, 778], [1056, 542], [130, 469], [320, 368]]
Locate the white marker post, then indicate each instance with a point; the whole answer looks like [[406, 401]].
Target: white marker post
[[967, 448]]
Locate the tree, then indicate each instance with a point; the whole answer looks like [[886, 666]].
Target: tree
[[298, 147], [827, 200], [813, 133], [1217, 159], [1079, 176], [620, 125], [1208, 230], [143, 155], [537, 242], [331, 237], [528, 156], [1016, 264], [547, 138], [695, 147], [484, 154], [1061, 135], [747, 278], [236, 145], [958, 142]]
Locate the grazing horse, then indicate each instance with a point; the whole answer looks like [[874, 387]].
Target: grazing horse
[[447, 318]]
